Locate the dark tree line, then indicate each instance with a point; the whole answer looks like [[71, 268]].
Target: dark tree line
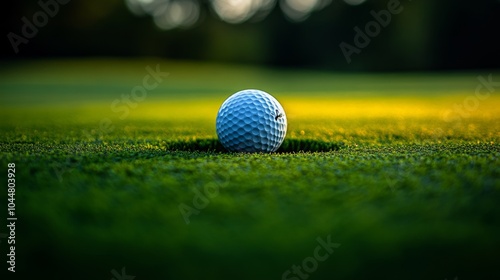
[[423, 35]]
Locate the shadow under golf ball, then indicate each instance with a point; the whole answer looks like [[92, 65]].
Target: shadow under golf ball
[[288, 146]]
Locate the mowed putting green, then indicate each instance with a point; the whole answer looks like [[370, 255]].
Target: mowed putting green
[[391, 176]]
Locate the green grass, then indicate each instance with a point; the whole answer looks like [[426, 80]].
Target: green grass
[[369, 160]]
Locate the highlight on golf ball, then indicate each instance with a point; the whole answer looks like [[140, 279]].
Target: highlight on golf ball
[[251, 121]]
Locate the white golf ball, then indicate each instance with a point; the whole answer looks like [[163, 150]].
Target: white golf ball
[[251, 121]]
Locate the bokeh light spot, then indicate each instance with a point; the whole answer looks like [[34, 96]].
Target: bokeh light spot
[[170, 14], [167, 14], [234, 11], [299, 10]]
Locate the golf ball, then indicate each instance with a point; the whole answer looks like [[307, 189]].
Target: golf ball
[[251, 121]]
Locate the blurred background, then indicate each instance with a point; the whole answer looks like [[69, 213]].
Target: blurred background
[[425, 35]]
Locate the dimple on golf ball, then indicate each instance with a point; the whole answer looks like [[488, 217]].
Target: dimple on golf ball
[[251, 121]]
